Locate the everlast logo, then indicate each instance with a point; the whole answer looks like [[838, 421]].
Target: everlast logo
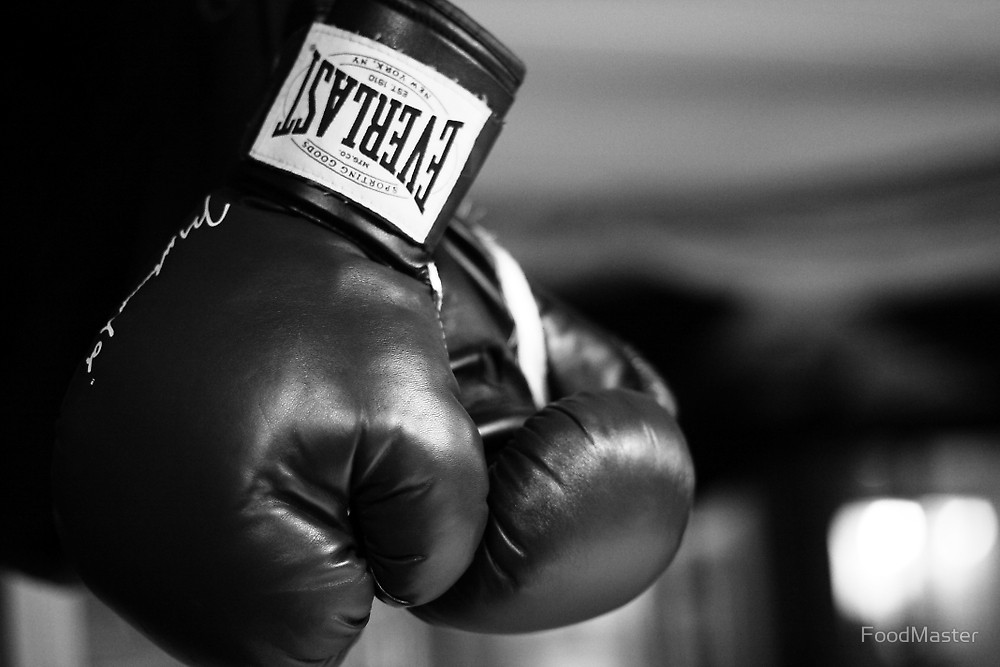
[[383, 130], [407, 142]]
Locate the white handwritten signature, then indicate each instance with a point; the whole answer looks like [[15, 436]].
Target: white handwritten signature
[[205, 218]]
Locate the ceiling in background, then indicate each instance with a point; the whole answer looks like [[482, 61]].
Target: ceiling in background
[[676, 95]]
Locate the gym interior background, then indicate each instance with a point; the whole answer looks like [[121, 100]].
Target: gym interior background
[[793, 209]]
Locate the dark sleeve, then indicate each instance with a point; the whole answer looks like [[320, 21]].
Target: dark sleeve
[[123, 117]]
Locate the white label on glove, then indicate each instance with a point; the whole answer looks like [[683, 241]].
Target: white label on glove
[[374, 125]]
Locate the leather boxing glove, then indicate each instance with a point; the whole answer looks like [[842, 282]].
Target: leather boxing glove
[[268, 432], [591, 481]]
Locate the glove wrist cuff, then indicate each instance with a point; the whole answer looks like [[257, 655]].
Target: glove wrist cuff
[[385, 110], [317, 204]]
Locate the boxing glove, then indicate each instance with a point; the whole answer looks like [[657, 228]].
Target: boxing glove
[[590, 479], [267, 432]]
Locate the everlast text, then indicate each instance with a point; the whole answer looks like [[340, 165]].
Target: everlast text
[[408, 143]]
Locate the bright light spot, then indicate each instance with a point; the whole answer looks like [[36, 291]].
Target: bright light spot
[[964, 531], [875, 549], [891, 535], [889, 554]]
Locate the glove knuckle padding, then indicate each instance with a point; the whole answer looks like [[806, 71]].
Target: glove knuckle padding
[[420, 505], [270, 437], [588, 503]]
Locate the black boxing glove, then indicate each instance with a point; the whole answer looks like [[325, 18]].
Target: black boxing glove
[[268, 432], [591, 481]]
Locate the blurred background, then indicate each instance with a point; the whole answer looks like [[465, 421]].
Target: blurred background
[[792, 208]]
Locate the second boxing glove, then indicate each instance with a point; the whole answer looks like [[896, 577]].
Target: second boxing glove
[[591, 482]]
